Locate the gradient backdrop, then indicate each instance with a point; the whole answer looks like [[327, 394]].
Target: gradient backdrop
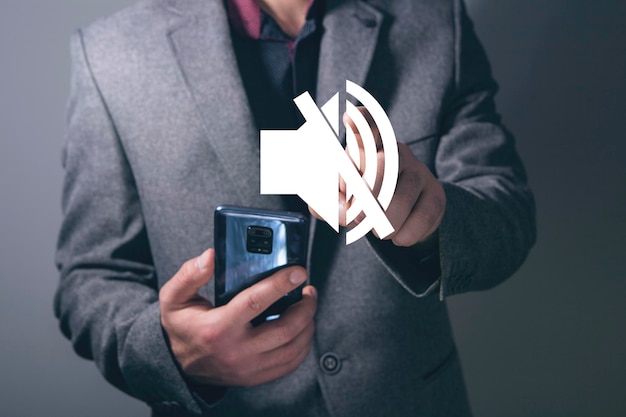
[[549, 342]]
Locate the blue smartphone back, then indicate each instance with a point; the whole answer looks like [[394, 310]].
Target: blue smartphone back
[[250, 245]]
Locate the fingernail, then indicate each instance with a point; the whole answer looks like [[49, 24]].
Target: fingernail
[[202, 261], [297, 277], [314, 292]]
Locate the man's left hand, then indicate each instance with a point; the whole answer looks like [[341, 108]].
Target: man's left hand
[[419, 201]]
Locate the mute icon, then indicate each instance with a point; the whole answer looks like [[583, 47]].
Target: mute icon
[[309, 161]]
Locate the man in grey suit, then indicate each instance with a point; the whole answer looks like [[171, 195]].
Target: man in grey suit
[[166, 102]]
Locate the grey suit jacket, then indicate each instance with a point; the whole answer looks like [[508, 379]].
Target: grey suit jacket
[[160, 133]]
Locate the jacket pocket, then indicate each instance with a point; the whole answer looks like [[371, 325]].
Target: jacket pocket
[[424, 149], [422, 138]]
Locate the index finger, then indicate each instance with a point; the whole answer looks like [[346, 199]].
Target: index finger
[[254, 300]]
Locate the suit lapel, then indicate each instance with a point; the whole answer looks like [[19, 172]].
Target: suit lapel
[[351, 31], [200, 40], [350, 36], [202, 46]]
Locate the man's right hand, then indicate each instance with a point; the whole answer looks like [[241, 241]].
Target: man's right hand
[[219, 346]]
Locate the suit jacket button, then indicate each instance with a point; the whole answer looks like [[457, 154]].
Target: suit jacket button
[[330, 363]]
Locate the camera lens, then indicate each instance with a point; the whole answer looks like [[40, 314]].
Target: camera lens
[[259, 239]]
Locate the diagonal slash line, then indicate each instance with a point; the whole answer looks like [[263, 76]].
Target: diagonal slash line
[[347, 170]]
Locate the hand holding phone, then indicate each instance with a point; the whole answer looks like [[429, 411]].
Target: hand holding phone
[[252, 244], [217, 345]]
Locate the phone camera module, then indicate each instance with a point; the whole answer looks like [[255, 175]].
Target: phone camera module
[[259, 239]]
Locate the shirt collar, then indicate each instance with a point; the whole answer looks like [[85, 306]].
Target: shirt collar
[[246, 17]]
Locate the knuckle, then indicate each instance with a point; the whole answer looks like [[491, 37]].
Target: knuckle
[[420, 166], [253, 302], [277, 361], [186, 273], [411, 184], [230, 361], [304, 314], [405, 199], [165, 296], [309, 332], [438, 201], [307, 349], [278, 286], [169, 325], [403, 239], [425, 219], [286, 332], [211, 335], [438, 210], [284, 357]]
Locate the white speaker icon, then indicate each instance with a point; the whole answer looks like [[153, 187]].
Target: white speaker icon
[[309, 161]]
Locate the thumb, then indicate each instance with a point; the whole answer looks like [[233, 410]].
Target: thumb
[[184, 285]]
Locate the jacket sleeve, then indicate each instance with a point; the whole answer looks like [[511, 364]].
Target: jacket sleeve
[[107, 297], [488, 226]]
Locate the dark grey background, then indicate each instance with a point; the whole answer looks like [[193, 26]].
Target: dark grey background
[[548, 342]]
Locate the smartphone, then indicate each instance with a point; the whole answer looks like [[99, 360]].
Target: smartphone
[[252, 244]]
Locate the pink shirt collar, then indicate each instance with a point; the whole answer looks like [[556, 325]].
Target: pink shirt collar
[[245, 17]]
